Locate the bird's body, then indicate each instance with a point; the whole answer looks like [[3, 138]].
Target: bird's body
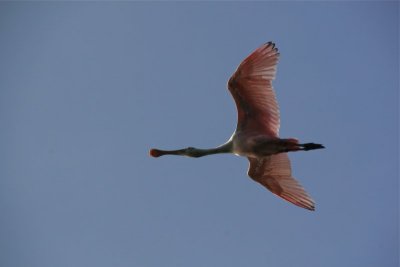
[[257, 132], [257, 146]]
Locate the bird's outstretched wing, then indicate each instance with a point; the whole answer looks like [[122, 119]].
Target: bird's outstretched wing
[[274, 173], [251, 87]]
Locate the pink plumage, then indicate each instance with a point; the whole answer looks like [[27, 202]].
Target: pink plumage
[[257, 132]]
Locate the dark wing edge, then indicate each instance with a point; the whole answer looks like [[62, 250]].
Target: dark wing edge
[[274, 173]]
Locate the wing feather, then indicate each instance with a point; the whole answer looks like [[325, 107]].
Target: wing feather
[[274, 173], [251, 88]]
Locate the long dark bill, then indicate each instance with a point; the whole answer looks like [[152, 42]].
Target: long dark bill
[[158, 152]]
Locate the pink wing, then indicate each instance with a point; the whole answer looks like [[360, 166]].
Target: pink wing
[[251, 87], [274, 173]]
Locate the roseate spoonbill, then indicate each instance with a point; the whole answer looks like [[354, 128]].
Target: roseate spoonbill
[[257, 132]]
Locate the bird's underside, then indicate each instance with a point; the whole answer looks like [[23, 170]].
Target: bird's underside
[[257, 131]]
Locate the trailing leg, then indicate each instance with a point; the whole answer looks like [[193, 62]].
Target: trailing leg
[[310, 146]]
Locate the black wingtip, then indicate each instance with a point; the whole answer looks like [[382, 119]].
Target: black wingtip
[[270, 44]]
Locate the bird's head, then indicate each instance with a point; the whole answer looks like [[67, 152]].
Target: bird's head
[[192, 152]]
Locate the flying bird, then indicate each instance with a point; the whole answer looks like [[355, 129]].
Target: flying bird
[[257, 132]]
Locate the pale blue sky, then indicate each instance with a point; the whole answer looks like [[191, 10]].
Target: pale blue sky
[[87, 88]]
